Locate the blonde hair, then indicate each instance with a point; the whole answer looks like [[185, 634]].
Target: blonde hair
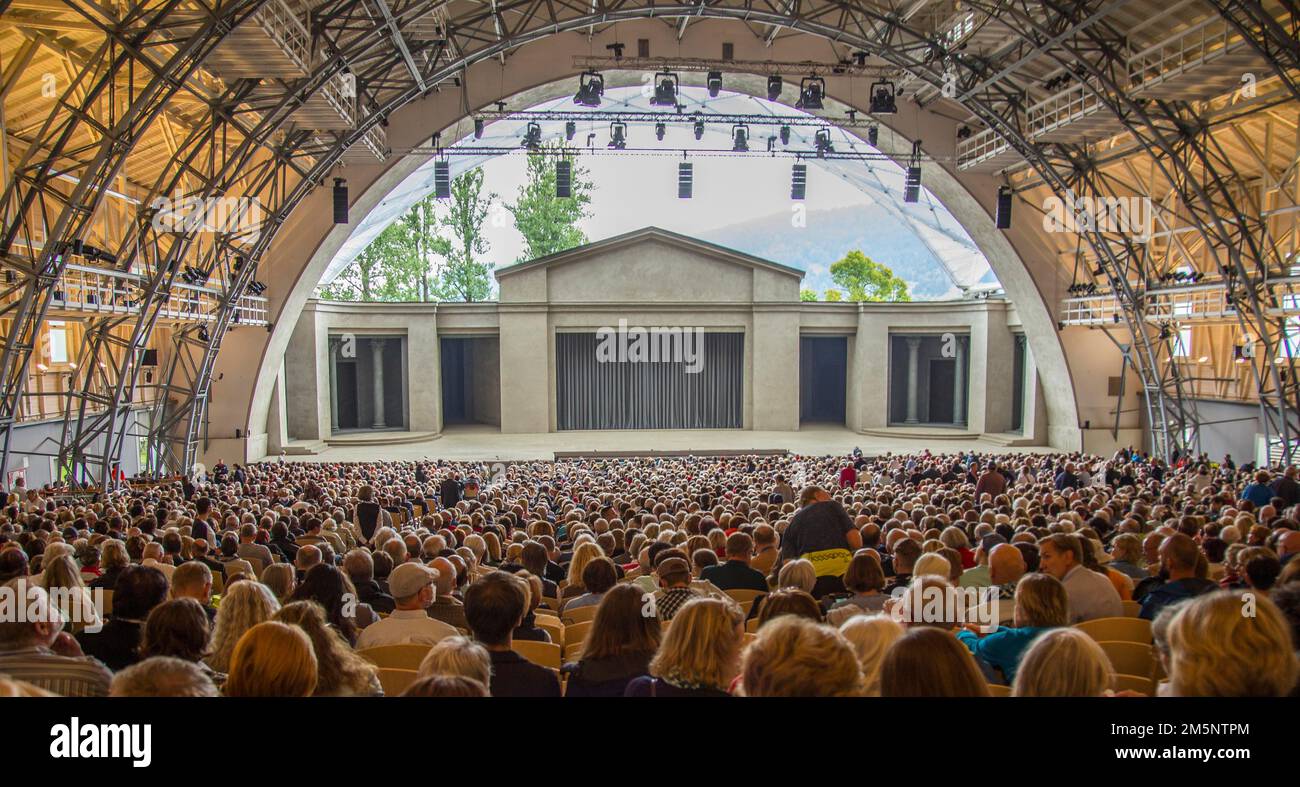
[[870, 636], [1063, 662], [457, 656], [1217, 650], [245, 605], [932, 564], [1041, 602], [797, 574], [796, 657], [340, 671], [702, 645], [280, 579], [272, 659], [583, 554]]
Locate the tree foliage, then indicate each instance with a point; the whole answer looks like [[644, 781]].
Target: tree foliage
[[834, 296], [864, 279], [549, 223], [807, 296]]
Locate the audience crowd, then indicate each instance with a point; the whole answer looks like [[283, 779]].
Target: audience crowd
[[776, 575]]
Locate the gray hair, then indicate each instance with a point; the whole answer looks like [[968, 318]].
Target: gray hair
[[162, 676]]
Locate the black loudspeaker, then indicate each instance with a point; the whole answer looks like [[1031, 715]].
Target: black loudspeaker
[[441, 180], [798, 181], [685, 180], [564, 179], [150, 358], [912, 186], [1004, 208], [340, 201]]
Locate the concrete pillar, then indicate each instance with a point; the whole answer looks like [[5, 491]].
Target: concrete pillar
[[959, 384], [377, 374], [775, 361], [913, 346], [334, 386]]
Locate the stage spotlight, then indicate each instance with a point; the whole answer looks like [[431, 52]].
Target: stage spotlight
[[665, 90], [340, 201], [785, 135], [774, 87], [533, 137], [699, 129], [715, 83], [798, 181], [884, 98], [822, 139], [256, 287], [740, 138], [811, 92], [478, 128], [685, 180], [659, 131], [204, 336], [873, 136], [591, 86], [570, 128], [618, 135], [563, 178], [1004, 207]]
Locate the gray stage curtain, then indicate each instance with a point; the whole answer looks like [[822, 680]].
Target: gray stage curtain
[[646, 395]]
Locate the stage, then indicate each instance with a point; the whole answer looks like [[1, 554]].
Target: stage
[[472, 443]]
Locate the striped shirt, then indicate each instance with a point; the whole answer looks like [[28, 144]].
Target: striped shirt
[[64, 675]]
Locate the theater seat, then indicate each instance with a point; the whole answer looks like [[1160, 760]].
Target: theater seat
[[395, 656], [998, 690], [1130, 658], [543, 654], [1131, 608], [579, 615], [743, 596], [1137, 683], [551, 626], [395, 681], [1117, 629]]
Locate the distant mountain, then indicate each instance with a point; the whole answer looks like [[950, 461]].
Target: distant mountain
[[829, 235]]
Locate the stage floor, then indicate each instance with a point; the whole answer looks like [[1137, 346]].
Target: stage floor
[[474, 443]]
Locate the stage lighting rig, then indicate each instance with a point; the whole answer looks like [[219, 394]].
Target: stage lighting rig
[[478, 128], [591, 86], [699, 129], [912, 185], [811, 92], [618, 136], [822, 140], [740, 138], [884, 99], [533, 137], [570, 128], [714, 82], [785, 135], [659, 131], [774, 86], [665, 90]]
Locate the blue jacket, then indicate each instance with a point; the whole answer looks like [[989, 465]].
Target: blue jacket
[[1172, 592], [1257, 493], [1003, 648]]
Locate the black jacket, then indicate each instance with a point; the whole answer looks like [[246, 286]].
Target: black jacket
[[607, 677], [117, 644], [515, 676], [734, 575]]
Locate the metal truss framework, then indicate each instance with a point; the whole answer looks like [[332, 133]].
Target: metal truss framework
[[238, 137]]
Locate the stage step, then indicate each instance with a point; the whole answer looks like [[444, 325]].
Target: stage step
[[305, 447], [922, 433], [1008, 439], [380, 438]]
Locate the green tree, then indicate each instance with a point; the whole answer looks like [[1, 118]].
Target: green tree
[[421, 224], [864, 279], [366, 277], [466, 277], [549, 223], [834, 296], [807, 295]]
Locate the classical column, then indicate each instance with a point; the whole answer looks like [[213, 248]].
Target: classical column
[[959, 384], [334, 385], [377, 373], [913, 345]]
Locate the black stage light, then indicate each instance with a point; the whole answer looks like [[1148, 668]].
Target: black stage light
[[822, 139], [774, 87], [912, 187], [478, 128], [618, 135], [883, 98], [811, 92], [785, 135], [570, 128], [591, 86], [659, 131], [699, 129], [533, 137], [873, 136], [665, 90], [740, 138], [715, 83]]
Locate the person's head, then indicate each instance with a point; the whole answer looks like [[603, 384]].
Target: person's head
[[799, 574], [864, 574], [1178, 556], [457, 657], [178, 628], [1041, 602], [534, 558], [281, 579], [339, 670], [599, 575], [192, 579], [41, 624], [929, 662], [1261, 571], [446, 686], [272, 659], [60, 571], [139, 589], [307, 558], [673, 572], [906, 552], [790, 601], [245, 605], [870, 636], [445, 584], [796, 657], [702, 647], [412, 585], [358, 564], [494, 607], [1059, 553], [163, 676], [583, 554], [1006, 564], [620, 628], [740, 546], [1127, 547], [1063, 662], [1216, 651], [932, 564]]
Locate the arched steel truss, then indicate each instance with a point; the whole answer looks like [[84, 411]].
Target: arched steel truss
[[245, 145]]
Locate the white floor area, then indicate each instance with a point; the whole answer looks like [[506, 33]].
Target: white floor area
[[474, 443]]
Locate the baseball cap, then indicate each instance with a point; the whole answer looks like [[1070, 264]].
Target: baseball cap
[[673, 568], [410, 578]]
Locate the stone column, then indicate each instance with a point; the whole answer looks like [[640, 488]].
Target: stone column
[[377, 373], [334, 385], [959, 384], [913, 345]]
